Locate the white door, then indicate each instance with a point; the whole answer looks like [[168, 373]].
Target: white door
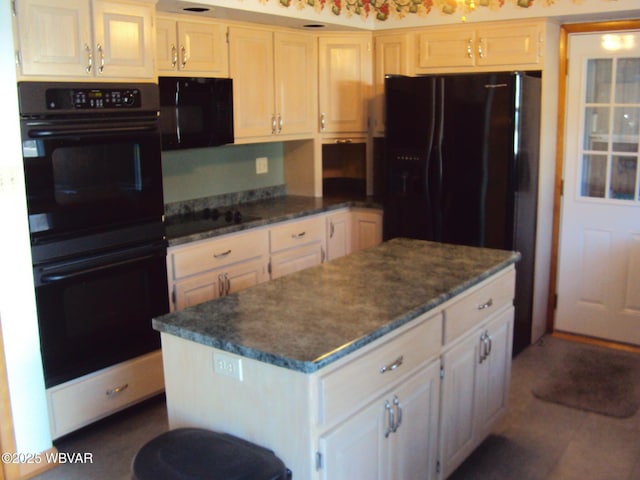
[[599, 256]]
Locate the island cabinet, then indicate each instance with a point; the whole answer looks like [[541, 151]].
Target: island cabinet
[[476, 363], [296, 245], [342, 384], [85, 39], [379, 412], [208, 269], [189, 48], [506, 45], [372, 414], [273, 74]]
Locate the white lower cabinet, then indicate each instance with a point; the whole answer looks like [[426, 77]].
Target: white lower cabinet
[[394, 437], [475, 387], [296, 245], [84, 400], [207, 269]]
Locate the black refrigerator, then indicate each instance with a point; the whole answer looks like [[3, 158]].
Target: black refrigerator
[[461, 166]]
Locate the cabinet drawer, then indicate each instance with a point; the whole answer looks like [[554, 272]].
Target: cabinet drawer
[[342, 390], [79, 402], [297, 233], [209, 254], [478, 305]]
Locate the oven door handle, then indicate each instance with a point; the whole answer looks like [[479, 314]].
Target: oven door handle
[[58, 277], [84, 131]]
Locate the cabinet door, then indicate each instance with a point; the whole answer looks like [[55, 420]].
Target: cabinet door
[[245, 275], [166, 45], [357, 449], [515, 44], [459, 401], [367, 230], [198, 289], [453, 47], [123, 46], [495, 373], [55, 37], [202, 47], [345, 78], [295, 83], [338, 235], [414, 445], [251, 67], [391, 58], [296, 259]]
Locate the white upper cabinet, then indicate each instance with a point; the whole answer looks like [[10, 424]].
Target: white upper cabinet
[[185, 48], [344, 83], [82, 39], [482, 46], [274, 83]]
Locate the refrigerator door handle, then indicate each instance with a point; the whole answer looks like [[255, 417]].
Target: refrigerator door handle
[[439, 122]]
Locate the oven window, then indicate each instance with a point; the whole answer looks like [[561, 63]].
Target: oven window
[[96, 173]]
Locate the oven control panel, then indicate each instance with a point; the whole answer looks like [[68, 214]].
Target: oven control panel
[[92, 98]]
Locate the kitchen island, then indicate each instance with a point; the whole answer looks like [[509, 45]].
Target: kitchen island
[[338, 368]]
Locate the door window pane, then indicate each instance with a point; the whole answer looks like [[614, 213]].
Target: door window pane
[[628, 80], [599, 80], [594, 175], [623, 177], [596, 128], [625, 129]]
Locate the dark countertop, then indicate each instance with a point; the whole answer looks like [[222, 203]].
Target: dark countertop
[[311, 318], [190, 227]]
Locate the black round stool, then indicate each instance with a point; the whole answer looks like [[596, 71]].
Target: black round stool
[[197, 454]]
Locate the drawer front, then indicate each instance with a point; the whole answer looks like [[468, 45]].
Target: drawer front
[[210, 254], [348, 387], [478, 305], [295, 234], [83, 401]]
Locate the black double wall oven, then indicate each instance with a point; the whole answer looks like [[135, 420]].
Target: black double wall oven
[[94, 192]]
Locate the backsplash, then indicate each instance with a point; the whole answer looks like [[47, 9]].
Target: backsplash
[[223, 200], [205, 172]]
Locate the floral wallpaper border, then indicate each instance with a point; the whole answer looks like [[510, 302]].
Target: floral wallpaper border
[[385, 9]]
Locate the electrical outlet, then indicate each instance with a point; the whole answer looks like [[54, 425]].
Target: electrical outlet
[[262, 165], [227, 365]]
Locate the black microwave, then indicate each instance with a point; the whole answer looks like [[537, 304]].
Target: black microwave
[[195, 112]]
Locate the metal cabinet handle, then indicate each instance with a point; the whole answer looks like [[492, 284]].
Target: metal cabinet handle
[[223, 254], [391, 419], [89, 66], [274, 125], [183, 54], [396, 403], [332, 229], [343, 141], [486, 304], [280, 123], [483, 345], [298, 235], [489, 344], [227, 284], [220, 285], [322, 122], [101, 53], [470, 48], [392, 366], [174, 57], [116, 390]]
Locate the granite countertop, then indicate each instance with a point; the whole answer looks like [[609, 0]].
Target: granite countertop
[[187, 227], [306, 320]]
